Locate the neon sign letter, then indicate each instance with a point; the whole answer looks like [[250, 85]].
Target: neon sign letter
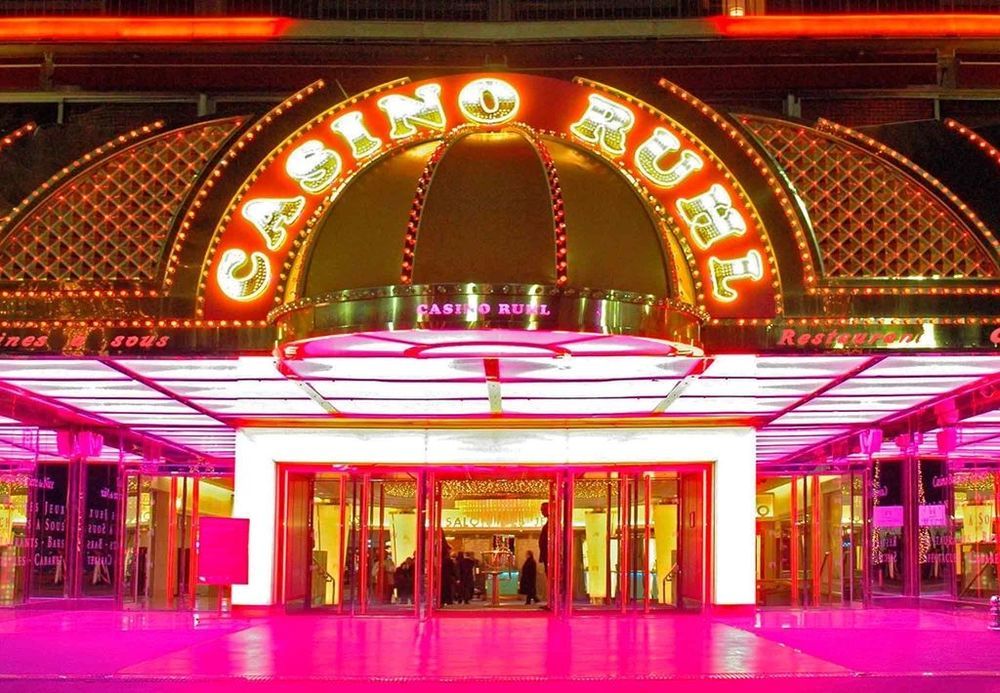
[[250, 284], [488, 101], [404, 111], [605, 123], [711, 217], [351, 128], [313, 166], [661, 143], [272, 217], [726, 271]]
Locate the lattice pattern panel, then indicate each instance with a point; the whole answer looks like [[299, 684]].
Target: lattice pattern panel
[[110, 222], [870, 219]]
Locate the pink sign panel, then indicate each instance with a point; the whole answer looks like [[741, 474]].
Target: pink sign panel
[[933, 516], [223, 551], [888, 516]]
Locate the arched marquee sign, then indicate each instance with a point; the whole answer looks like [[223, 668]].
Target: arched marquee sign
[[255, 244]]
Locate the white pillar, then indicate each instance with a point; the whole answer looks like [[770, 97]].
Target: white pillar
[[254, 498], [734, 511]]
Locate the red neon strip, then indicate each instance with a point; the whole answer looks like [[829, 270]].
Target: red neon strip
[[860, 26], [183, 29], [85, 29]]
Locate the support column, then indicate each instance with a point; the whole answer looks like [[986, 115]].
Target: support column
[[734, 517], [255, 489]]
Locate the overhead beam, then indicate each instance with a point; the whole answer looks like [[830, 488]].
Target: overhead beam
[[43, 412], [979, 397], [143, 30]]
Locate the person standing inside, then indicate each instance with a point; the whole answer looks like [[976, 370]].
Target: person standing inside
[[447, 576], [543, 552], [403, 579], [466, 577], [529, 580]]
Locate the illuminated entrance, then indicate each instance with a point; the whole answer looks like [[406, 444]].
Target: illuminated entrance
[[394, 327], [370, 541]]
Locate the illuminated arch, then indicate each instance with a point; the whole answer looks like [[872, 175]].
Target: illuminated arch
[[106, 217], [917, 229], [690, 183]]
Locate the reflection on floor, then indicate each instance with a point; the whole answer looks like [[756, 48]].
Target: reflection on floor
[[485, 608], [805, 650]]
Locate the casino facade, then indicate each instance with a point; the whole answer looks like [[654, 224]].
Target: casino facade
[[347, 350]]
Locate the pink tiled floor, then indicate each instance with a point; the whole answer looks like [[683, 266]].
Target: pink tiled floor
[[877, 649]]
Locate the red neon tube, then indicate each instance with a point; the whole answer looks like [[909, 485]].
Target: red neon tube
[[859, 26], [179, 29]]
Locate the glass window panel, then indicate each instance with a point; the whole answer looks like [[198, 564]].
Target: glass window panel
[[560, 407], [50, 521], [369, 389], [592, 389], [262, 407], [100, 530], [919, 366], [407, 407], [868, 403], [807, 366], [728, 405]]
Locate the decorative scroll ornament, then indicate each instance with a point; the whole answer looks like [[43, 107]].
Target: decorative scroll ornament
[[272, 217], [653, 150], [489, 101], [605, 124], [711, 217], [313, 166], [406, 113], [724, 272], [239, 283]]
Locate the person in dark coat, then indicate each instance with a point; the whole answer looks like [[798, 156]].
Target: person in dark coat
[[543, 547], [466, 577], [448, 576], [403, 580], [529, 577], [543, 538]]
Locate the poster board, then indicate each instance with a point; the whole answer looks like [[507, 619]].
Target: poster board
[[223, 551]]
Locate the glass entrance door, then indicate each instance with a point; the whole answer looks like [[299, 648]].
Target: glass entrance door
[[637, 540], [372, 541], [811, 541], [390, 533], [496, 541], [351, 541], [72, 530], [16, 551], [161, 520]]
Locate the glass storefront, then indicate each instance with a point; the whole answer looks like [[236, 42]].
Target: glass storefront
[[59, 532], [960, 557], [14, 545], [810, 540], [915, 528], [76, 530], [372, 541], [162, 513]]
